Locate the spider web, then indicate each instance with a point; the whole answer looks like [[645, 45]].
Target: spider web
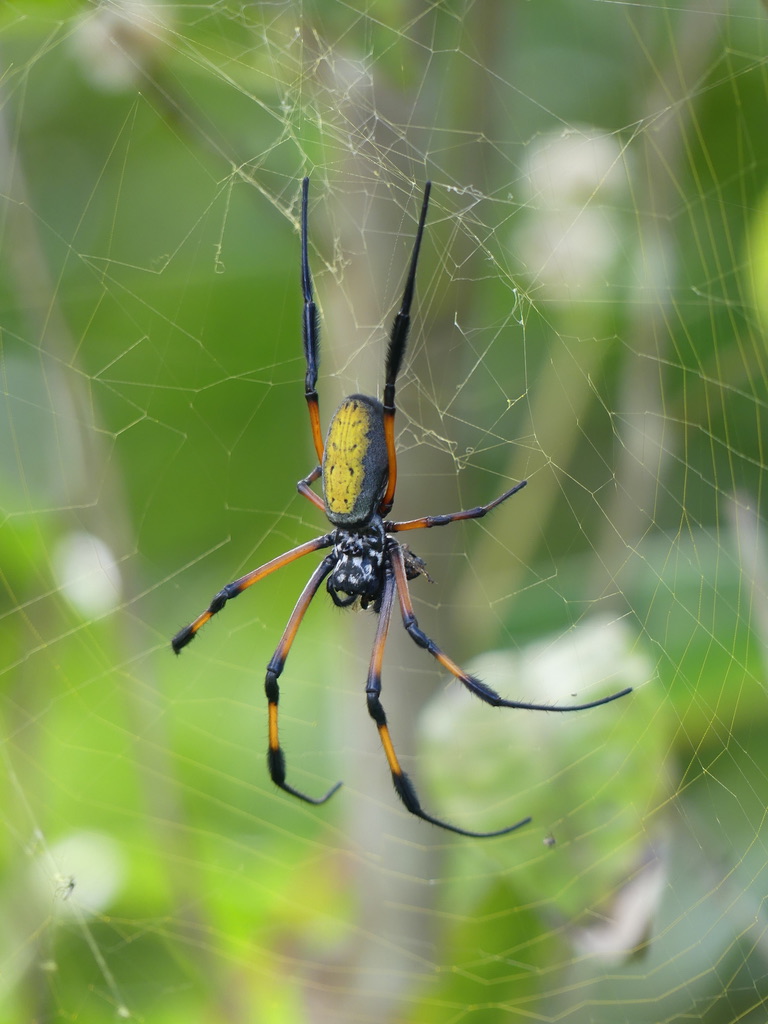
[[590, 316]]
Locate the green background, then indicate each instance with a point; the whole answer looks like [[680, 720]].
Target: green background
[[152, 390]]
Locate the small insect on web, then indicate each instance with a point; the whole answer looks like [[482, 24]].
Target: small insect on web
[[358, 470]]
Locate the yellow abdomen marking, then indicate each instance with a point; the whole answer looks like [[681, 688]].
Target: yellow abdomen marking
[[345, 448], [354, 472]]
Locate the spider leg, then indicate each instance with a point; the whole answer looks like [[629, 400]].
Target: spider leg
[[453, 517], [275, 755], [310, 330], [403, 785], [472, 683], [304, 487], [398, 339], [231, 590]]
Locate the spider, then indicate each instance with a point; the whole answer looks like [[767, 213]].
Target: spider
[[358, 468]]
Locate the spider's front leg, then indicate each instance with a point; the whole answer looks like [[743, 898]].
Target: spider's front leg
[[402, 783], [472, 683], [188, 633], [275, 754]]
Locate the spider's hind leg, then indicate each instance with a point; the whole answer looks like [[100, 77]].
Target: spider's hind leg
[[398, 339], [310, 330]]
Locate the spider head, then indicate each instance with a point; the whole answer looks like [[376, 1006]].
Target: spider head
[[359, 562]]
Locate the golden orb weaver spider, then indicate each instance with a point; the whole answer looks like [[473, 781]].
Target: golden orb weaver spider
[[358, 469]]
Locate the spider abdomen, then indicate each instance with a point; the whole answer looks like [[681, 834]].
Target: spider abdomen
[[355, 464]]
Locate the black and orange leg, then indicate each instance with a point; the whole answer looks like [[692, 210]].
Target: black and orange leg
[[472, 683], [231, 590], [398, 339], [275, 755], [310, 330], [403, 785], [453, 517], [305, 487]]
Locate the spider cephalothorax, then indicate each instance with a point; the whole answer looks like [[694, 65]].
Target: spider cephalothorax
[[358, 571], [358, 466]]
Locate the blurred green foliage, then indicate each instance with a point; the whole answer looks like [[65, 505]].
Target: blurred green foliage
[[152, 397]]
